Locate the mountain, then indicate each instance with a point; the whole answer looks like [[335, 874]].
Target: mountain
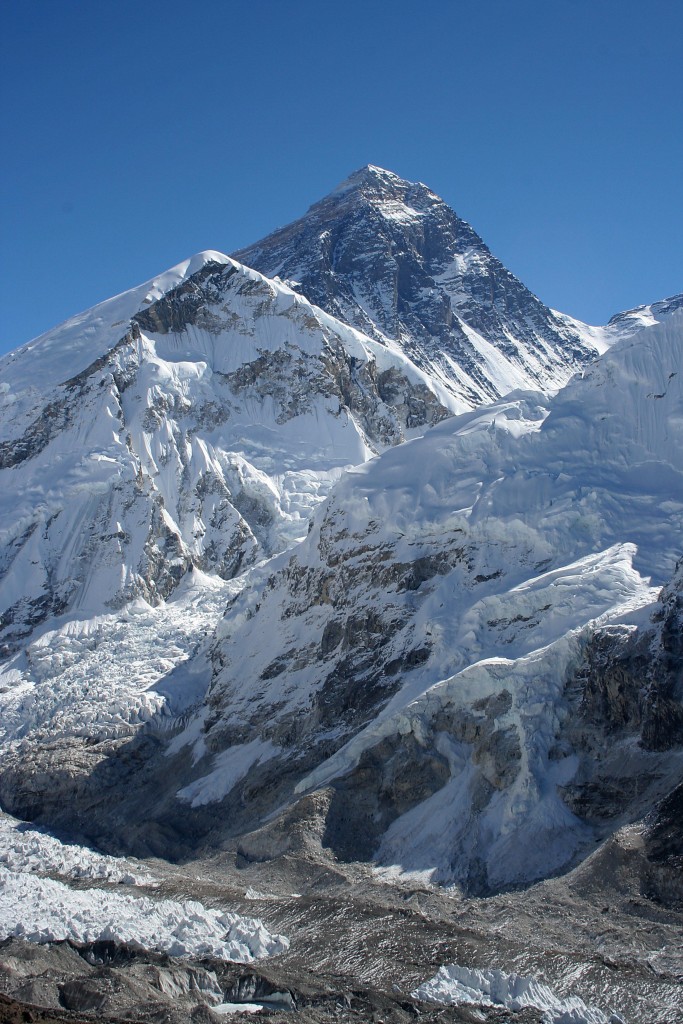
[[465, 670], [359, 620], [425, 659], [391, 258], [194, 421]]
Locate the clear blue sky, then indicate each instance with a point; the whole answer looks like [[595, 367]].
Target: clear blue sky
[[137, 132]]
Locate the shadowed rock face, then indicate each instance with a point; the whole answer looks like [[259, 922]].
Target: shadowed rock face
[[633, 680], [628, 713], [393, 259], [664, 847]]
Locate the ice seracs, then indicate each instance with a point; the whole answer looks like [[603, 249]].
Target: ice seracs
[[43, 910], [28, 850], [456, 985]]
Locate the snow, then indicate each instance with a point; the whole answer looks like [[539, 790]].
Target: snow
[[104, 676], [456, 985], [26, 849], [42, 910], [624, 325], [230, 766], [552, 517], [402, 213]]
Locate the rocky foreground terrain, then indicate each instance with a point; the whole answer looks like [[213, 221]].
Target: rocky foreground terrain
[[608, 932]]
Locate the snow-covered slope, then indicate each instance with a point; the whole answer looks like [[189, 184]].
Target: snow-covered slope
[[194, 421], [632, 320], [413, 656], [390, 257]]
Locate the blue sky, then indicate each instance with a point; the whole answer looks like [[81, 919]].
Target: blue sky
[[138, 132]]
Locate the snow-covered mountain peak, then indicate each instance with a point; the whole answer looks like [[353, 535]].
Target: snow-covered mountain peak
[[369, 175], [193, 421], [375, 186], [390, 257]]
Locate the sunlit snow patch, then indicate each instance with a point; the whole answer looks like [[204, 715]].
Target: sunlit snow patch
[[42, 910], [454, 985], [230, 766]]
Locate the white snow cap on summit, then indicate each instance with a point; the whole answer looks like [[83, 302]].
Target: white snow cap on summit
[[370, 173]]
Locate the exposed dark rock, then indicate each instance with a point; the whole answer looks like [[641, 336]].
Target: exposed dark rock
[[664, 837], [186, 304]]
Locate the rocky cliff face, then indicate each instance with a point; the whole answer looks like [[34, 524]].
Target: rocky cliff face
[[390, 257], [627, 689]]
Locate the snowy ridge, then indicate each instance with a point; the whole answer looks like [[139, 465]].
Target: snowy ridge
[[633, 320], [39, 365]]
